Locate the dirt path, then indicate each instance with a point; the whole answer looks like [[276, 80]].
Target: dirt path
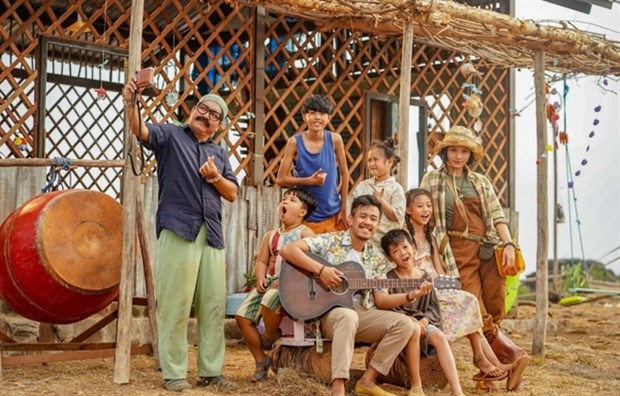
[[582, 357]]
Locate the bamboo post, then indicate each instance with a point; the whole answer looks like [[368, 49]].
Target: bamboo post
[[122, 364], [542, 296], [403, 103]]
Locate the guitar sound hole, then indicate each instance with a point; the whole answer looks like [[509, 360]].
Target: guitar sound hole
[[342, 287]]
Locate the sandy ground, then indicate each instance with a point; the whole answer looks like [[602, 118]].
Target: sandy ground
[[582, 357]]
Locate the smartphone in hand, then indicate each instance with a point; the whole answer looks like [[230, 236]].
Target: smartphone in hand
[[145, 78]]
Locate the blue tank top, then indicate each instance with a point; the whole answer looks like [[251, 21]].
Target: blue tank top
[[306, 163]]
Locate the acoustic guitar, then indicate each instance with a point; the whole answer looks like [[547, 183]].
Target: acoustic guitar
[[304, 297]]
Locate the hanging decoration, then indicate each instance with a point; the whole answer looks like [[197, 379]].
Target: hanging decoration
[[20, 141], [101, 92], [473, 102], [595, 122], [172, 97], [553, 116]]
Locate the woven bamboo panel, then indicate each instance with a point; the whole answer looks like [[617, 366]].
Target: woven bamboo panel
[[199, 47]]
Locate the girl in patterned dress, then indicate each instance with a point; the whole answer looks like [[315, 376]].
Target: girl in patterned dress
[[460, 312]]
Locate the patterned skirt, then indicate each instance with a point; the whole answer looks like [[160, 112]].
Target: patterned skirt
[[460, 313]]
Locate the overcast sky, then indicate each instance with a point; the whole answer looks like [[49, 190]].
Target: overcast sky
[[597, 188]]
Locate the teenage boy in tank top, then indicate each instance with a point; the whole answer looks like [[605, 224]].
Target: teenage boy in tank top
[[314, 160]]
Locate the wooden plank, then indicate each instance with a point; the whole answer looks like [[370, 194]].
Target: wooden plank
[[96, 327], [147, 266], [33, 162], [259, 95], [70, 355], [122, 364], [57, 346], [403, 103], [542, 217]]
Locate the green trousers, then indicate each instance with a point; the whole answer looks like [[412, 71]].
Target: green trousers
[[190, 272]]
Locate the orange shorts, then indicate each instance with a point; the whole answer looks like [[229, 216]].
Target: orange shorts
[[327, 225]]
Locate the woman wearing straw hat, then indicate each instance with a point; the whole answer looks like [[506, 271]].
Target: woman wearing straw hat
[[466, 213]]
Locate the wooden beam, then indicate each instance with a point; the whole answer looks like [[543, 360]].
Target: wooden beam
[[122, 362], [72, 355], [403, 104], [147, 266], [542, 286], [75, 163], [259, 96]]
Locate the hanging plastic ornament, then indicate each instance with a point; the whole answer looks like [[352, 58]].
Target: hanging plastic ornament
[[478, 126], [474, 105], [101, 93], [578, 173], [538, 162], [584, 162], [549, 147], [591, 134], [597, 108], [571, 184], [563, 138], [468, 70], [595, 122], [172, 97]]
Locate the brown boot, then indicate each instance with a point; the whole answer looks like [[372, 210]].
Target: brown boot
[[505, 349]]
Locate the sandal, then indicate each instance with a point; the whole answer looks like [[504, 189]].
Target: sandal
[[493, 375], [262, 369], [266, 343], [515, 375], [218, 381]]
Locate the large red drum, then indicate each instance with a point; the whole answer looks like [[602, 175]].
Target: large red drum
[[60, 256]]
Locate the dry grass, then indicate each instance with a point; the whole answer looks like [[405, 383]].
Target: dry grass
[[581, 358]]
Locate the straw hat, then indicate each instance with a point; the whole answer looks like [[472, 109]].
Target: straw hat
[[459, 136]]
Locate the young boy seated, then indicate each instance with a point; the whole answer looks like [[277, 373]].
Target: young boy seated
[[264, 300], [423, 308]]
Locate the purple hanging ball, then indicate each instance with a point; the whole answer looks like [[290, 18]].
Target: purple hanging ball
[[587, 148], [597, 108], [596, 122], [578, 173], [605, 82], [591, 134], [584, 162], [571, 184]]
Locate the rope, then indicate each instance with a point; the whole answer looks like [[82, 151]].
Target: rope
[[53, 176], [571, 185]]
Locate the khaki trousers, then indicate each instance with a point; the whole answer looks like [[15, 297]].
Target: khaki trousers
[[190, 272], [345, 326]]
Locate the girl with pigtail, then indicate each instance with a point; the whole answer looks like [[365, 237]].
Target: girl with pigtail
[[459, 309], [382, 162]]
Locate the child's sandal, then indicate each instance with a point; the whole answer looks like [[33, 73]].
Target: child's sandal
[[262, 370]]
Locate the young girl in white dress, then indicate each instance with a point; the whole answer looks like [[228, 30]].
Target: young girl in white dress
[[382, 161]]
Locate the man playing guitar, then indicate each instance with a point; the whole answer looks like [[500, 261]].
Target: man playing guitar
[[364, 322]]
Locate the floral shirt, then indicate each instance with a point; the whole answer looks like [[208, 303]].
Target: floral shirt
[[335, 248], [393, 194], [492, 212]]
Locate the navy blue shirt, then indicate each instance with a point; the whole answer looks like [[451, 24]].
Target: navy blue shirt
[[186, 200]]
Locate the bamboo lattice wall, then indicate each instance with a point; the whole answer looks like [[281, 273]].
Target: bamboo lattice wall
[[264, 65]]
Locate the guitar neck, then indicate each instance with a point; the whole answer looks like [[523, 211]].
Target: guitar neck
[[365, 284]]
